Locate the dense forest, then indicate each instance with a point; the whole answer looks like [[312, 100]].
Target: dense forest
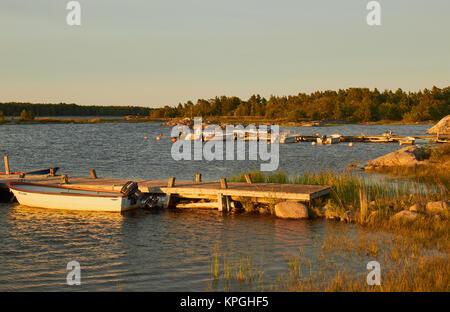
[[354, 104], [62, 109]]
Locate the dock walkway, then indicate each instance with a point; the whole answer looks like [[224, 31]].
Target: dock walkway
[[208, 190]]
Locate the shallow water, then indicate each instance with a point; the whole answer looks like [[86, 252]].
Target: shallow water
[[162, 251]]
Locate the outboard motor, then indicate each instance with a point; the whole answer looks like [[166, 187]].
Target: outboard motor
[[150, 202], [131, 189]]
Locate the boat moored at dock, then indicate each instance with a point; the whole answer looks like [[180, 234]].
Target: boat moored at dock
[[407, 141], [35, 172], [67, 198], [332, 139]]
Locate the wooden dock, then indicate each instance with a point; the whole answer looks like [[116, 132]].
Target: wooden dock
[[375, 138], [208, 194]]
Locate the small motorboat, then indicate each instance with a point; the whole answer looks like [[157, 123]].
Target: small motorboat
[[407, 141], [193, 137], [64, 197], [333, 139], [286, 139], [36, 172], [388, 134]]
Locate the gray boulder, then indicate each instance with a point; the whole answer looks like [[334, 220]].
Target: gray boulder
[[409, 156], [406, 215], [442, 127], [291, 210], [438, 207]]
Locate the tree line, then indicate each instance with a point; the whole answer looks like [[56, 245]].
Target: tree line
[[62, 109], [353, 104]]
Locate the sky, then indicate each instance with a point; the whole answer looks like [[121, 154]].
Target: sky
[[162, 52]]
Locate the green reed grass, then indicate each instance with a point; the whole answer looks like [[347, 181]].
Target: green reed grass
[[414, 252], [237, 269], [405, 265], [347, 187]]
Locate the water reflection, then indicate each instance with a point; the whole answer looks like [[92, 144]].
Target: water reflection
[[161, 251], [38, 244]]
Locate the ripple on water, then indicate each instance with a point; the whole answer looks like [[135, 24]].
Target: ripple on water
[[156, 251], [138, 251]]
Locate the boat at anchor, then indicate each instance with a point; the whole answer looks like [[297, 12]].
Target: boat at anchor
[[35, 172], [67, 198]]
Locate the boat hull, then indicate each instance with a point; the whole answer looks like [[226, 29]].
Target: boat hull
[[78, 202], [36, 172], [288, 139], [328, 140], [407, 141]]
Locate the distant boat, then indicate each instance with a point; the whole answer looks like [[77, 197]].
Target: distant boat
[[406, 141], [333, 139], [220, 137], [286, 139], [36, 172], [63, 197], [193, 137], [383, 139]]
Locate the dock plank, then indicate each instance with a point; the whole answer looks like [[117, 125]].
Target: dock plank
[[207, 189]]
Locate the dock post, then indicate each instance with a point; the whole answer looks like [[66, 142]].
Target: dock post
[[64, 179], [224, 202], [6, 165], [198, 177], [220, 202], [170, 197], [169, 202], [223, 183], [248, 178], [93, 174]]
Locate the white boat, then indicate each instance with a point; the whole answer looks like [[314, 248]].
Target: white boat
[[220, 137], [193, 136], [286, 139], [63, 197], [333, 139], [248, 135], [407, 141]]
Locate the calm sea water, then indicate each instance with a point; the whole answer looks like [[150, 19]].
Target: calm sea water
[[161, 251]]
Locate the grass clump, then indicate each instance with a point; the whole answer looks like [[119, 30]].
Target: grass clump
[[231, 270], [354, 192], [374, 203]]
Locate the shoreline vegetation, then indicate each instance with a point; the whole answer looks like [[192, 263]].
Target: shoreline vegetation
[[352, 105], [403, 219], [53, 120], [224, 120]]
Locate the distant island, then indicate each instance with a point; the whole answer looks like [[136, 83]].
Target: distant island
[[349, 105], [63, 109]]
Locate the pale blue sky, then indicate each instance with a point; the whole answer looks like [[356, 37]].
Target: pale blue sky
[[161, 52]]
